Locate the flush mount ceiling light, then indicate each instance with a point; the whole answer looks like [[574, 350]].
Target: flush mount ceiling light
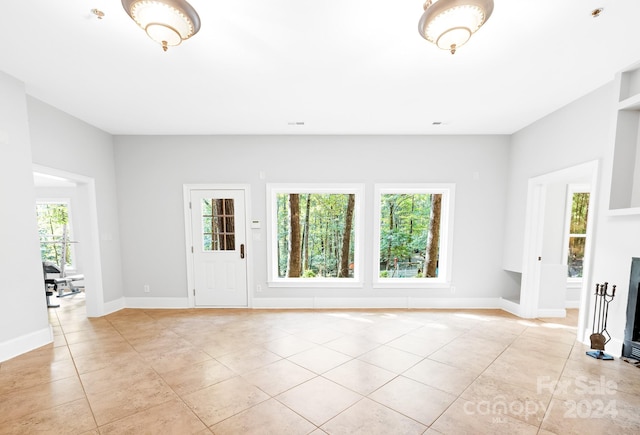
[[450, 23], [168, 22]]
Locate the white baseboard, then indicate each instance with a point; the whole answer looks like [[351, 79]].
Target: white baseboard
[[156, 302], [391, 302], [277, 303], [510, 307], [113, 306], [449, 303], [25, 343]]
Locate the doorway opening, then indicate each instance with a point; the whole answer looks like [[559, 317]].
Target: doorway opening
[[67, 203], [545, 262]]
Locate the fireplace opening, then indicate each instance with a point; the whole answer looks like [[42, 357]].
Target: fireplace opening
[[631, 345]]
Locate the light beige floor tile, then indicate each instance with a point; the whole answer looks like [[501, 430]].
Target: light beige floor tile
[[359, 376], [197, 376], [465, 417], [623, 376], [369, 418], [417, 345], [278, 377], [541, 358], [318, 400], [72, 417], [352, 345], [526, 369], [109, 358], [289, 345], [174, 358], [249, 359], [386, 331], [348, 322], [390, 358], [319, 335], [413, 399], [614, 414], [88, 323], [20, 403], [473, 354], [15, 378], [113, 405], [172, 417], [441, 332], [319, 359], [59, 340], [37, 358], [221, 346], [107, 334], [444, 377], [113, 345], [159, 343], [268, 417], [517, 402], [552, 333], [544, 347], [117, 377], [224, 399]]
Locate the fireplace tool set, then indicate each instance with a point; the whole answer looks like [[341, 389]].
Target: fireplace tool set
[[600, 336]]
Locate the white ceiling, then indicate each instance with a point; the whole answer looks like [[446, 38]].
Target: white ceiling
[[338, 66]]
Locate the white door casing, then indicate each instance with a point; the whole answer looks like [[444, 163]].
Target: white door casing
[[218, 247]]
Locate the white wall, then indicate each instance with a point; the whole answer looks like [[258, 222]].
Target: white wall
[[579, 132], [151, 172], [24, 324], [63, 142], [575, 134]]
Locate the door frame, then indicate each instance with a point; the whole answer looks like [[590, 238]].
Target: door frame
[[534, 232], [186, 193], [86, 210]]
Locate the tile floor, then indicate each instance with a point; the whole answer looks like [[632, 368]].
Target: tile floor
[[314, 372]]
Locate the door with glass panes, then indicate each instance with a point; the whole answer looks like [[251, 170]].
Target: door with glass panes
[[219, 251]]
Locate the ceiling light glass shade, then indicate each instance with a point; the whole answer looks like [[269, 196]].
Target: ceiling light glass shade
[[168, 22], [450, 23]]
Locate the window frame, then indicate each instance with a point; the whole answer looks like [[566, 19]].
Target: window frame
[[571, 190], [273, 189], [72, 266], [447, 190]]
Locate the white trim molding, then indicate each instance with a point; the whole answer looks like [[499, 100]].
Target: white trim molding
[[25, 343], [380, 302], [152, 303]]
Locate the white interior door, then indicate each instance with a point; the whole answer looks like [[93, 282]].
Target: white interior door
[[219, 240]]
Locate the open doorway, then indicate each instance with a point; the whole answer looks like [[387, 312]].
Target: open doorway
[[74, 195], [544, 278]]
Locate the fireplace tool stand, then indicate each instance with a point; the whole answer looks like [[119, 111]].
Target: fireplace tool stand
[[600, 336]]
